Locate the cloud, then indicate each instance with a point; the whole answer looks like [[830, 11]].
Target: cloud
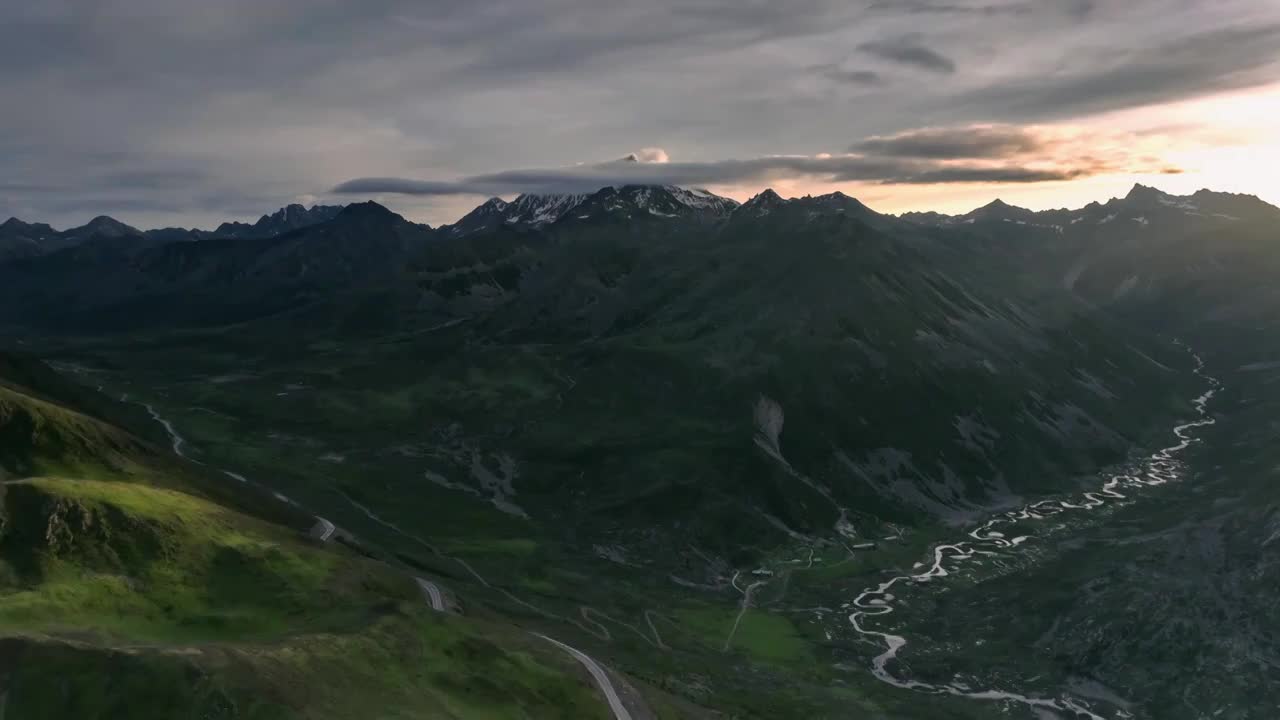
[[980, 153], [977, 174], [977, 141], [925, 7], [836, 169], [838, 74], [1216, 60], [197, 112], [937, 156], [906, 51], [1078, 9], [649, 155]]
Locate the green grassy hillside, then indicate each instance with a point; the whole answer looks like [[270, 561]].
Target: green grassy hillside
[[126, 591]]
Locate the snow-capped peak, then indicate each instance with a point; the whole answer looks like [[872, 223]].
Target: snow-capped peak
[[540, 209], [533, 210], [658, 201], [701, 199]]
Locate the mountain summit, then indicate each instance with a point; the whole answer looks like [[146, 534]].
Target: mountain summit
[[103, 226], [661, 201], [366, 210], [289, 217], [535, 210]]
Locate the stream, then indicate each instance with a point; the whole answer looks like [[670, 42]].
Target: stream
[[1157, 469]]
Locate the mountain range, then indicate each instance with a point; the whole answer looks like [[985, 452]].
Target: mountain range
[[287, 257], [19, 239], [686, 437]]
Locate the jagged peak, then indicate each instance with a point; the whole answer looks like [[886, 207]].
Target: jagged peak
[[842, 200], [525, 199], [367, 210], [657, 200], [998, 208], [766, 197], [1144, 192], [701, 198], [539, 209], [763, 203], [1206, 192], [283, 213]]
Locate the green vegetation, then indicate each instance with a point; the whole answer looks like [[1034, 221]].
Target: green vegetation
[[764, 636], [39, 437], [157, 565], [588, 430], [122, 596]]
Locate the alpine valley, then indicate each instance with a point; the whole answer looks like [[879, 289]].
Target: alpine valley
[[645, 452]]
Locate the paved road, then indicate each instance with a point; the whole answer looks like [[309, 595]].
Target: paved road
[[326, 529], [620, 711], [432, 591]]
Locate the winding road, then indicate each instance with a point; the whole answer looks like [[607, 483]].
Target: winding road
[[600, 675], [326, 529], [432, 592], [746, 605], [434, 596], [1157, 469]]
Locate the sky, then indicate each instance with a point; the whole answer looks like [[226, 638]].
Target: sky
[[190, 112]]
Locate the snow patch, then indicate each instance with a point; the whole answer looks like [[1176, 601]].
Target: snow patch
[[1176, 203]]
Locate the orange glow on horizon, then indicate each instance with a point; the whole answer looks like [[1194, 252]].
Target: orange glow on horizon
[[1226, 143]]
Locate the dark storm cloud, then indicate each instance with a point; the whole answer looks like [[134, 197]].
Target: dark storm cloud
[[907, 51], [951, 143], [202, 111]]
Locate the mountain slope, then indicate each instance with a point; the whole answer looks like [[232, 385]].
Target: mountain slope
[[108, 235], [215, 281], [684, 439], [19, 239], [126, 591], [526, 211]]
